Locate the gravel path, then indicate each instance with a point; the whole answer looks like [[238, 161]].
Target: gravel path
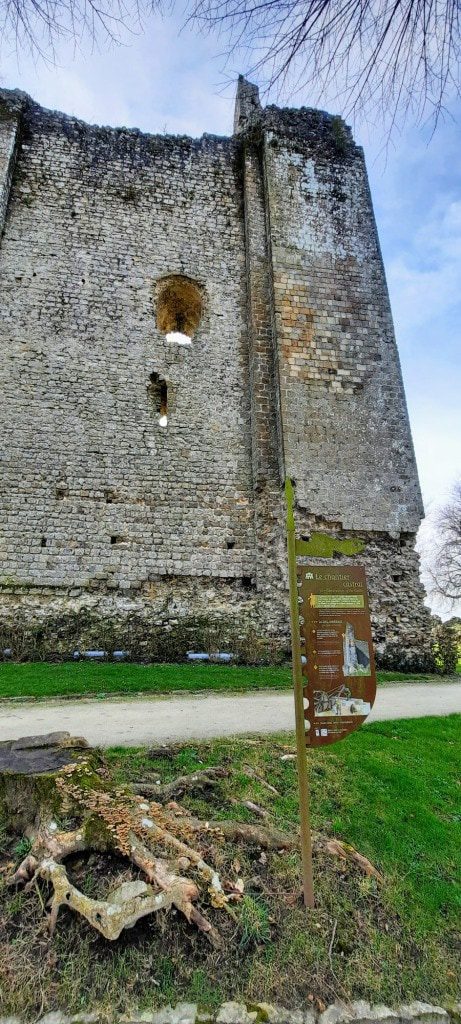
[[143, 720]]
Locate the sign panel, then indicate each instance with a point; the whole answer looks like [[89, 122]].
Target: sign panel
[[336, 650]]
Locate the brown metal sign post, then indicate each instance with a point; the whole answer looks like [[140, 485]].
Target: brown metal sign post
[[335, 682], [303, 781]]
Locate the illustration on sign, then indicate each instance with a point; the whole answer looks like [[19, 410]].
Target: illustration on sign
[[338, 662]]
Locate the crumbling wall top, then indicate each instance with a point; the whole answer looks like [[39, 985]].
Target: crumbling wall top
[[247, 105]]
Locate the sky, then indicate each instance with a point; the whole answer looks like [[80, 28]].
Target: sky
[[166, 78]]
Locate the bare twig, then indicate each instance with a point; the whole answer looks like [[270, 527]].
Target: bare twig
[[260, 778], [332, 941]]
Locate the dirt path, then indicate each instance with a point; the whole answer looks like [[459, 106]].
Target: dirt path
[[143, 720]]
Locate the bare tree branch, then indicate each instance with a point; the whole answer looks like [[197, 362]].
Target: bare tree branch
[[379, 57], [38, 25], [382, 56]]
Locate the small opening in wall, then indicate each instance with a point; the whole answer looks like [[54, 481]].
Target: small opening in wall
[[158, 390], [43, 542], [110, 496], [116, 539], [61, 492], [247, 582], [230, 545]]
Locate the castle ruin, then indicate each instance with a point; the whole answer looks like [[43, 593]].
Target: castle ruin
[[183, 324]]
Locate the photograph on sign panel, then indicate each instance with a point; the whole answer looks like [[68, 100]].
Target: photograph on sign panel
[[339, 702], [356, 654]]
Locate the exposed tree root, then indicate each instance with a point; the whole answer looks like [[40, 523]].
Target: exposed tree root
[[163, 841], [347, 852], [260, 812], [206, 779], [129, 902], [266, 836], [260, 778]]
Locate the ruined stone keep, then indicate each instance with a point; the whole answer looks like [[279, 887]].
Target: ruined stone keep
[[184, 323]]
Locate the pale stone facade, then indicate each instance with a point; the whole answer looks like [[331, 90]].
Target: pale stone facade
[[142, 478]]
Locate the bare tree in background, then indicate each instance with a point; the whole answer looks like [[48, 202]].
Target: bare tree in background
[[380, 56], [443, 556]]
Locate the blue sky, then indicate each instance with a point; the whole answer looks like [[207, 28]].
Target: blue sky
[[162, 79]]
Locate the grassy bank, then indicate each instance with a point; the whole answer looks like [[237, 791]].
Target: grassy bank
[[41, 679], [392, 790]]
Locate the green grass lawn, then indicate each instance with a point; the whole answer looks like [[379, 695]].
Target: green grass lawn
[[42, 679], [392, 790]]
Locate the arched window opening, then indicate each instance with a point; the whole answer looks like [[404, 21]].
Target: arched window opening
[[158, 390], [179, 308]]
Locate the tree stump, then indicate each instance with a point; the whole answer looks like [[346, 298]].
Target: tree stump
[[29, 768]]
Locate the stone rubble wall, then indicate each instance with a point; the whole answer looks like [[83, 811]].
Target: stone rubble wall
[[163, 619], [356, 1012], [96, 217]]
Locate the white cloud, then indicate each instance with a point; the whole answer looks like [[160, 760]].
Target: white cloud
[[425, 280]]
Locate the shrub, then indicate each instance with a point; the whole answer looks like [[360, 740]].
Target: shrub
[[445, 647]]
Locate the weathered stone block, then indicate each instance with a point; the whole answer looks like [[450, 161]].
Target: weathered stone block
[[422, 1013], [235, 1013], [280, 1015]]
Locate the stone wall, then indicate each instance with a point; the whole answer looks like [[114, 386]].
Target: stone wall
[[142, 478], [354, 1012]]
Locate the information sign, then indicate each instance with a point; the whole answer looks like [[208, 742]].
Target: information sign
[[336, 650]]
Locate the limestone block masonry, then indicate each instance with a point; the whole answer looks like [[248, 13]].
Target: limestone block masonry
[[355, 1012], [183, 323]]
